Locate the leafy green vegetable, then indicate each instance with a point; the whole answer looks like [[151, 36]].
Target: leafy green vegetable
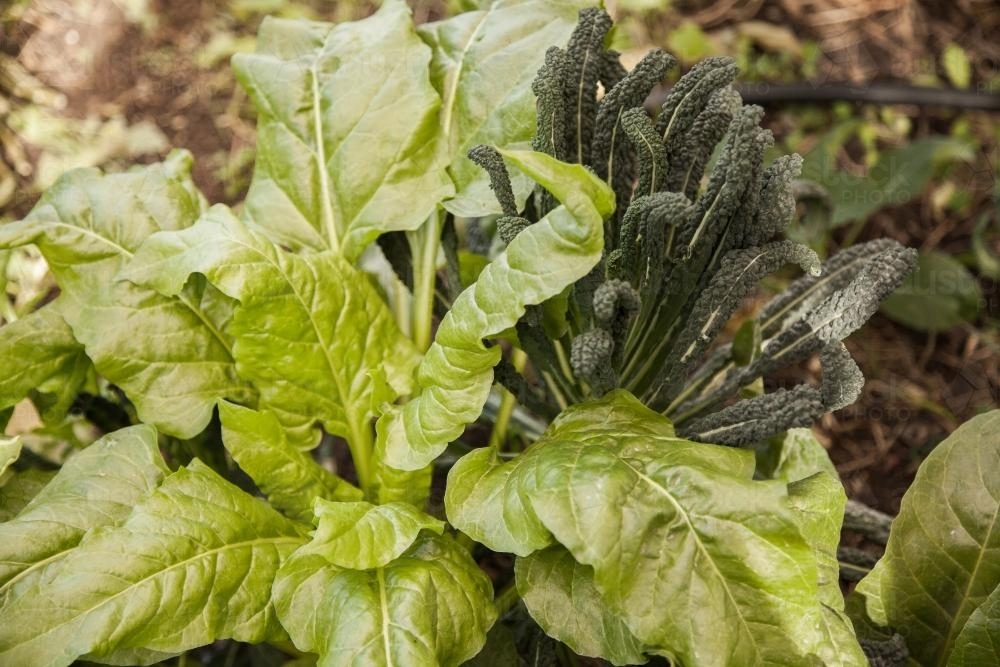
[[979, 641], [561, 595], [97, 487], [18, 488], [657, 518], [482, 66], [819, 500], [196, 550], [315, 303], [348, 139], [941, 567], [793, 456], [362, 536], [680, 257], [170, 355], [287, 475], [44, 357], [269, 338], [430, 606]]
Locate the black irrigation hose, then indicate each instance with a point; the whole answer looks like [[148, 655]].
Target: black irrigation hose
[[767, 94]]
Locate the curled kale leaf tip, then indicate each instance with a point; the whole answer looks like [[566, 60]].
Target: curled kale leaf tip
[[614, 299], [590, 358], [491, 161]]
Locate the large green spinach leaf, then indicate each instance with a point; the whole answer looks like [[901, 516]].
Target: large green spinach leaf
[[310, 330], [97, 487], [680, 539], [390, 593], [196, 550], [43, 357], [936, 584], [819, 503], [289, 477], [347, 132], [170, 355], [483, 66], [562, 596]]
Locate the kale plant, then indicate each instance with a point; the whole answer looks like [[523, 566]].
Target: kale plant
[[680, 255], [222, 348]]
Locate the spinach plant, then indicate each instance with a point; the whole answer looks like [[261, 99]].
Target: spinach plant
[[934, 597], [250, 337]]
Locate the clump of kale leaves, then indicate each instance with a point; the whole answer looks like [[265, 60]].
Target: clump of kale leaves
[[682, 252]]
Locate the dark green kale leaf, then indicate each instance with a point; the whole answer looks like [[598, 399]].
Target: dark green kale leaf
[[697, 225]]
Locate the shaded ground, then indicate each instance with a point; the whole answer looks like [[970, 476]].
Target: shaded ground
[[168, 66]]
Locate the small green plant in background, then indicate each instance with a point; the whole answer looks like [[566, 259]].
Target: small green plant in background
[[242, 340]]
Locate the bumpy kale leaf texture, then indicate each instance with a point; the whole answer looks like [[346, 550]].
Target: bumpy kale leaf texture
[[697, 224]]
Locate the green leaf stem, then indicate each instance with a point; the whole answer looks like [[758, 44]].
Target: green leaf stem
[[456, 374]]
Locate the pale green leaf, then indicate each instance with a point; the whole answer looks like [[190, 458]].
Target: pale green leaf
[[716, 546], [483, 500], [405, 486], [483, 65], [96, 487], [689, 42], [347, 131], [431, 606], [18, 490], [41, 355], [310, 329], [169, 355], [956, 65], [939, 295], [487, 498], [591, 422], [658, 519], [362, 536], [289, 477], [979, 642], [620, 407], [456, 374], [389, 484], [561, 595], [943, 557], [819, 503], [193, 563]]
